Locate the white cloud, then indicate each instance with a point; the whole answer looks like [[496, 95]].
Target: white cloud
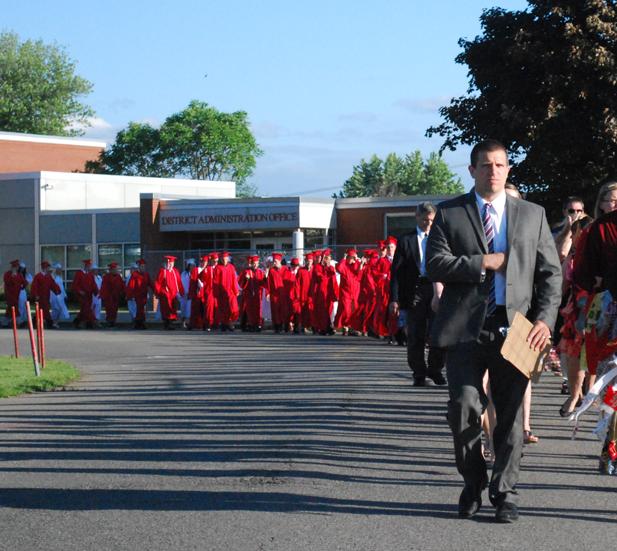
[[422, 105]]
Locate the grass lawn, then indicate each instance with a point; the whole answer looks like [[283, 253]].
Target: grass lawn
[[17, 376]]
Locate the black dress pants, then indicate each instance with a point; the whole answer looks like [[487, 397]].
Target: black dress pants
[[466, 364], [419, 318]]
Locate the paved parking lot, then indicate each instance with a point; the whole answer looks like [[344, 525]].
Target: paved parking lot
[[178, 440]]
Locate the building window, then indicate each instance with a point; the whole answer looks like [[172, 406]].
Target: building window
[[397, 224], [76, 254], [124, 254], [72, 256], [314, 238], [132, 253], [109, 253], [53, 254]]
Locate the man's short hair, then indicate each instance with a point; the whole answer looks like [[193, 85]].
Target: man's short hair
[[486, 146], [425, 208], [573, 199]]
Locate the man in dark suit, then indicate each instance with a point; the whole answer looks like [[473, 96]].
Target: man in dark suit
[[412, 291], [495, 256]]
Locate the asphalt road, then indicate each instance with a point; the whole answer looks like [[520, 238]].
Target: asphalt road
[[178, 440]]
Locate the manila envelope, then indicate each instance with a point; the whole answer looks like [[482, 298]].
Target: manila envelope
[[516, 349]]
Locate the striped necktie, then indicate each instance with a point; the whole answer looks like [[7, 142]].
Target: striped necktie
[[491, 304]]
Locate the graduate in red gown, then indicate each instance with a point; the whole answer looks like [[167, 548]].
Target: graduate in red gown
[[137, 290], [209, 298], [305, 302], [324, 290], [384, 321], [362, 319], [14, 282], [84, 287], [293, 291], [167, 287], [196, 294], [226, 292], [276, 292], [112, 290], [252, 281], [349, 289], [42, 286]]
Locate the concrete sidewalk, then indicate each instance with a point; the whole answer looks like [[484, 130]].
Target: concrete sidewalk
[[186, 440]]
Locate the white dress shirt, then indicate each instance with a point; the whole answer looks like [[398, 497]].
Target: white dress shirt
[[500, 239]]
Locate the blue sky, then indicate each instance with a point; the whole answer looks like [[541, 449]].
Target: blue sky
[[325, 83]]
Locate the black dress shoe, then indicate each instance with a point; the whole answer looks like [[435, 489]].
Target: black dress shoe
[[506, 513], [470, 502], [471, 499], [419, 381], [438, 379]]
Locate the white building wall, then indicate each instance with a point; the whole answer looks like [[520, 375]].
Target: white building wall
[[67, 191]]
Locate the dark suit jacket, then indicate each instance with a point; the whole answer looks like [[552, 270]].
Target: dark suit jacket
[[454, 253], [405, 270]]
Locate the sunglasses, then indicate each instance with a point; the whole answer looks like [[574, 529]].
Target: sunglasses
[[572, 211]]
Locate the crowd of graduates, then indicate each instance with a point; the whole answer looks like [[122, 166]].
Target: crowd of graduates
[[316, 294]]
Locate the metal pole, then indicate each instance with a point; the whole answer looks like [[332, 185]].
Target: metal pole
[[42, 338], [35, 358], [37, 311], [15, 339]]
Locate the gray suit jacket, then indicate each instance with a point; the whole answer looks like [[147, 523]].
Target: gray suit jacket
[[454, 253]]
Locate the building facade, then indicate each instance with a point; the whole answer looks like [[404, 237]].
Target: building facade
[[33, 153], [66, 217]]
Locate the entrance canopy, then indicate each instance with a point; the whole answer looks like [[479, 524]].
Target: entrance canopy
[[279, 213]]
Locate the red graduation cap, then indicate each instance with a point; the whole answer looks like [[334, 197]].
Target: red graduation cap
[[277, 256], [351, 252], [141, 261], [295, 261], [45, 264], [112, 265], [87, 262], [224, 254], [309, 256], [169, 258], [317, 252], [326, 252], [214, 256], [381, 244], [15, 263], [391, 240]]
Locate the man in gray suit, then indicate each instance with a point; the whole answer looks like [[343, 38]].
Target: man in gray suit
[[495, 256]]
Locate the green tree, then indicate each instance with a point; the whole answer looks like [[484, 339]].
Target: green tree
[[366, 179], [544, 82], [199, 142], [408, 175], [39, 90], [136, 152], [206, 144]]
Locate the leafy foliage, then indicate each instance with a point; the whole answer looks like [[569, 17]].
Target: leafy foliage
[[39, 89], [199, 142], [544, 82], [408, 175], [136, 152]]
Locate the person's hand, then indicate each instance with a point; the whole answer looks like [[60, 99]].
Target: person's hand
[[495, 262], [247, 275], [539, 335], [394, 308]]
